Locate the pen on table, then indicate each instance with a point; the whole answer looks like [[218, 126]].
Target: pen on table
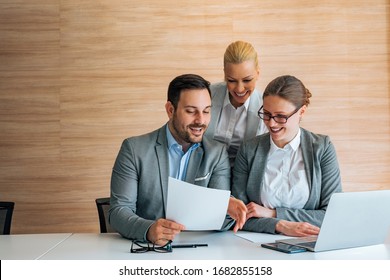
[[189, 245]]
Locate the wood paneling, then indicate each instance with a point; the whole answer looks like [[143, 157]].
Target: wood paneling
[[77, 77]]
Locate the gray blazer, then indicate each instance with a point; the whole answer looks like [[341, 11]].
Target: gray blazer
[[140, 179], [255, 125], [322, 171]]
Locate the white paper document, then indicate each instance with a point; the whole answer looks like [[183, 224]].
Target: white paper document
[[260, 237], [195, 207]]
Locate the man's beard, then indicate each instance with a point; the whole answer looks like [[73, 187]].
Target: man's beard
[[184, 135]]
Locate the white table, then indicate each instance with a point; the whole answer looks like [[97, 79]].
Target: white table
[[28, 246], [221, 246], [105, 256]]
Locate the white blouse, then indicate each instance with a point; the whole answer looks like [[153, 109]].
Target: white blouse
[[231, 126], [285, 182]]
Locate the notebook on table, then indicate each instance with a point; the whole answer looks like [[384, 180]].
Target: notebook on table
[[352, 219]]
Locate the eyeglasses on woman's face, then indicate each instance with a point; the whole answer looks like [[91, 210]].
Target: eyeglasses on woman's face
[[278, 118]]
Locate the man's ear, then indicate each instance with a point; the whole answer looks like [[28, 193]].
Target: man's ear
[[170, 109]]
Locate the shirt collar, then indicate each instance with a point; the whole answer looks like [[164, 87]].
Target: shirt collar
[[294, 144], [227, 101]]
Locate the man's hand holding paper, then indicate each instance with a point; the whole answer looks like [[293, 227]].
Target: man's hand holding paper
[[197, 208]]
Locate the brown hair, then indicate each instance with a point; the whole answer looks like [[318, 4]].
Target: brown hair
[[183, 82], [289, 88]]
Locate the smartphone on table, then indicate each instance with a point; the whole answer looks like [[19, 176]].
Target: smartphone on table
[[285, 248]]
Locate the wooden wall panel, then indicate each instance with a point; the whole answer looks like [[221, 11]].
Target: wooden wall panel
[[77, 77]]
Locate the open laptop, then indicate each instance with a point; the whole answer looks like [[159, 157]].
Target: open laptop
[[352, 219]]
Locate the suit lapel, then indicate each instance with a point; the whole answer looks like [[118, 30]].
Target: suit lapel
[[258, 168], [162, 159], [252, 124], [216, 109], [307, 153], [194, 164]]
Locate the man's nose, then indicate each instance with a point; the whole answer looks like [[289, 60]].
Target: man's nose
[[201, 118]]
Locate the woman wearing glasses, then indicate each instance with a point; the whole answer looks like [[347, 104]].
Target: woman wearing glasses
[[235, 102], [287, 176]]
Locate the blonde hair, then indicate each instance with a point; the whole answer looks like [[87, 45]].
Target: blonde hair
[[238, 52]]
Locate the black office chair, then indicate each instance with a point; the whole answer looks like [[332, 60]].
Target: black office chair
[[103, 204], [6, 211]]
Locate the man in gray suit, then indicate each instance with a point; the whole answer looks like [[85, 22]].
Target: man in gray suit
[[178, 149]]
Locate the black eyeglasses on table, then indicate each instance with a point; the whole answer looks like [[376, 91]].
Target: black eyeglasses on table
[[140, 246], [277, 118]]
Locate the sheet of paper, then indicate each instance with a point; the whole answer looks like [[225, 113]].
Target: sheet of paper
[[259, 237], [195, 207]]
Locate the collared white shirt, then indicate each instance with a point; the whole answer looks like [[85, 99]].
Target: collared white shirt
[[285, 182], [178, 160], [231, 125]]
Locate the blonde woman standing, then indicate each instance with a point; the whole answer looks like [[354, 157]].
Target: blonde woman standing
[[235, 101]]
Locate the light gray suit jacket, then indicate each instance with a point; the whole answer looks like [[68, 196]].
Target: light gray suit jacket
[[139, 180], [322, 171], [255, 125]]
